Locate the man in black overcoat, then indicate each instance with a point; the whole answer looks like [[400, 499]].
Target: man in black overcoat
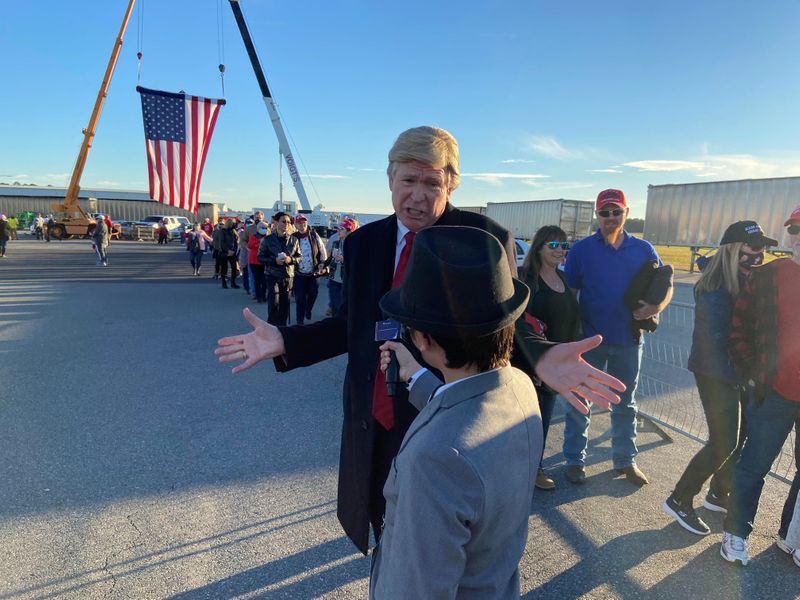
[[423, 173]]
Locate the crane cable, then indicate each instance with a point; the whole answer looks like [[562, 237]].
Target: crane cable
[[292, 146], [139, 38], [221, 46]]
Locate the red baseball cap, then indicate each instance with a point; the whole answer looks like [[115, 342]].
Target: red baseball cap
[[348, 224], [611, 196], [795, 216], [300, 217]]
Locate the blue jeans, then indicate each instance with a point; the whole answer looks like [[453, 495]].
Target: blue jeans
[[623, 363], [768, 426], [334, 295], [196, 258]]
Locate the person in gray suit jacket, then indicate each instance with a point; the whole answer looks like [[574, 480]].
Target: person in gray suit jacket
[[459, 490]]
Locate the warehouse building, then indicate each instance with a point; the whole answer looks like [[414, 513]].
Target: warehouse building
[[121, 205]]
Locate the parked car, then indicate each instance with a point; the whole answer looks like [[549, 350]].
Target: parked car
[[175, 225], [125, 228], [522, 251]]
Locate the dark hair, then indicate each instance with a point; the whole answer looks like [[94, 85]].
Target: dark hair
[[533, 262], [486, 353], [279, 215]]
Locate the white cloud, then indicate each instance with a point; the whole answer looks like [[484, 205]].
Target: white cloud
[[559, 186], [747, 166], [367, 169], [665, 165], [549, 146], [603, 171], [329, 176], [108, 183], [726, 166], [513, 161], [498, 178]]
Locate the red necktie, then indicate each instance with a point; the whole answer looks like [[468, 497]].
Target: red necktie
[[382, 404]]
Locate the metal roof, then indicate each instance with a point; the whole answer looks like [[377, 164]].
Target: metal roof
[[60, 192]]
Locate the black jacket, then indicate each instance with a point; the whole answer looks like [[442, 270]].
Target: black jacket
[[228, 240], [269, 249], [651, 284], [317, 248]]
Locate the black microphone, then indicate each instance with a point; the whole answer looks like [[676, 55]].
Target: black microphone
[[385, 331]]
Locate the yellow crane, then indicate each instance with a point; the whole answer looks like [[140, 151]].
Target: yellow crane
[[75, 220]]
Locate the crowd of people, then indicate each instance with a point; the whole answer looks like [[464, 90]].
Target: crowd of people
[[274, 260]]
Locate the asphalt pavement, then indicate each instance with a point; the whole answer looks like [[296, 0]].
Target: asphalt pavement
[[134, 465]]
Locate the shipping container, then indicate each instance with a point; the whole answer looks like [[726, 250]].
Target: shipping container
[[481, 210], [696, 214], [524, 219]]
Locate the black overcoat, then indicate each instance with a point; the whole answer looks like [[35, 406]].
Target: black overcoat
[[369, 267]]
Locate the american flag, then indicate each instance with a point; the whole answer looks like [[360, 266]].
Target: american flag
[[177, 131]]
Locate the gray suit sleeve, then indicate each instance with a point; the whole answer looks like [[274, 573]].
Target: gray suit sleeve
[[423, 388]]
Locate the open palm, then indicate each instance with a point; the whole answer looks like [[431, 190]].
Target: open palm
[[265, 341]]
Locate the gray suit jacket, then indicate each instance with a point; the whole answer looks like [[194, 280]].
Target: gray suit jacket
[[459, 491]]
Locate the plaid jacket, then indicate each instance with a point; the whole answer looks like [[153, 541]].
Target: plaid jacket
[[754, 330]]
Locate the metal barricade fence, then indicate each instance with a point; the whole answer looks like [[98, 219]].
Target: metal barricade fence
[[667, 393], [143, 233]]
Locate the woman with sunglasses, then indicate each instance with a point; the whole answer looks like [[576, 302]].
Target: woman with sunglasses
[[765, 350], [552, 313], [720, 389]]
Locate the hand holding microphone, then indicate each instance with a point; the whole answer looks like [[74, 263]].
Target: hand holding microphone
[[398, 353], [385, 331]]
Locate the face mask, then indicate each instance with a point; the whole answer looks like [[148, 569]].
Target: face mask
[[262, 230], [748, 261]]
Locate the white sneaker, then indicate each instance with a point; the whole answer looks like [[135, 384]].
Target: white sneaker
[[781, 543], [734, 549]]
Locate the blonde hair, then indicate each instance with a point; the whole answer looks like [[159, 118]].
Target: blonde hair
[[722, 271], [429, 145]]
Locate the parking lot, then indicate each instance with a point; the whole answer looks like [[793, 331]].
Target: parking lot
[[133, 465]]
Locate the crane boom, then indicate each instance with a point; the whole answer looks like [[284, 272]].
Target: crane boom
[[283, 144], [71, 205]]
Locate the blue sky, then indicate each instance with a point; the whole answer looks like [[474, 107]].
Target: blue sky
[[547, 100]]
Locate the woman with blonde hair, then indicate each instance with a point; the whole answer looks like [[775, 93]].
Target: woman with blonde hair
[[720, 389]]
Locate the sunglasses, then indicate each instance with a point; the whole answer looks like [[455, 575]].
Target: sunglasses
[[607, 213], [553, 245], [793, 229]]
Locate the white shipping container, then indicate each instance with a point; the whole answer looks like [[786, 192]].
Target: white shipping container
[[697, 214], [525, 218]]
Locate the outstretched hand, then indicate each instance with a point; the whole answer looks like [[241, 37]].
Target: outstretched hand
[[563, 369], [265, 341], [406, 363]]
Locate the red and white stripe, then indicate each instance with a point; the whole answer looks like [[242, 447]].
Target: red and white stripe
[[175, 169]]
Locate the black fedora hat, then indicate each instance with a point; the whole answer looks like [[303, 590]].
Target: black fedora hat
[[458, 284]]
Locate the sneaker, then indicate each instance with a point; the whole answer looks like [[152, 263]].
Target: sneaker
[[716, 503], [781, 543], [544, 481], [684, 514], [575, 474], [734, 549]]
